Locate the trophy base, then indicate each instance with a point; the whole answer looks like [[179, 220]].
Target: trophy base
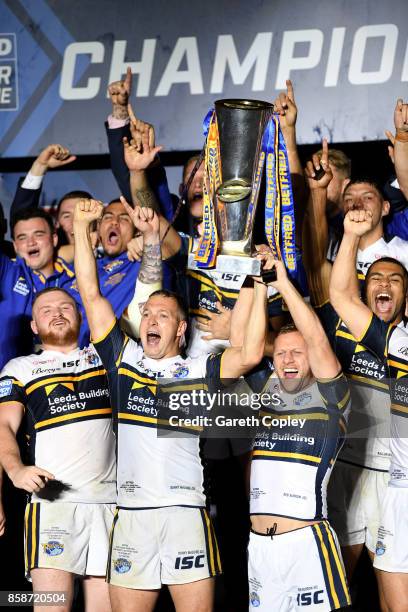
[[235, 264]]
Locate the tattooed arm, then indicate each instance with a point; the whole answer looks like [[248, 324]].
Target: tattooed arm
[[142, 193], [150, 274]]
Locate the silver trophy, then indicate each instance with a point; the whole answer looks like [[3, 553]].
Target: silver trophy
[[241, 125]]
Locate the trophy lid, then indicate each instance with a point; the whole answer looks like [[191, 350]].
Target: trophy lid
[[244, 104]]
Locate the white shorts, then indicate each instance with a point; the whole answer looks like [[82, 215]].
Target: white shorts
[[391, 553], [354, 498], [298, 570], [68, 536], [172, 545]]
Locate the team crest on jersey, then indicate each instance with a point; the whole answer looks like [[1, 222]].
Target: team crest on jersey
[[303, 399], [254, 599], [6, 387], [122, 566], [379, 548], [21, 286], [114, 279], [91, 357], [180, 371], [53, 548], [112, 265]]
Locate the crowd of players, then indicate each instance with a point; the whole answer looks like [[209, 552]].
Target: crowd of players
[[99, 308]]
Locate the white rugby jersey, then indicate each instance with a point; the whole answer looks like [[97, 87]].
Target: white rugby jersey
[[396, 248], [390, 343], [69, 422], [158, 463], [291, 466]]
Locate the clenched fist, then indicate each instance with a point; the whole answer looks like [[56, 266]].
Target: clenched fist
[[87, 211]]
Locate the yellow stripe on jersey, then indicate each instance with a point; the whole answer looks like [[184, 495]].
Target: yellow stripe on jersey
[[265, 453], [119, 359], [69, 417], [327, 563], [143, 379], [368, 381], [343, 334], [136, 417], [105, 334], [339, 564], [62, 379], [400, 365], [180, 386], [344, 401], [318, 416], [399, 408], [361, 336]]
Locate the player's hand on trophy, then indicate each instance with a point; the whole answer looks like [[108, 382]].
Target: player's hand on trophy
[[87, 211], [145, 219], [318, 171], [271, 264], [119, 92], [217, 325], [285, 105], [30, 478]]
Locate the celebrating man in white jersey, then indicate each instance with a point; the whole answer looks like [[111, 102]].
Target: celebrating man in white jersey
[[71, 472], [294, 556], [390, 343], [162, 533]]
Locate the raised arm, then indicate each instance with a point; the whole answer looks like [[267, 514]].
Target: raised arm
[[323, 362], [285, 105], [344, 290], [237, 361], [98, 310], [315, 229], [139, 154], [27, 195], [150, 274], [401, 145]]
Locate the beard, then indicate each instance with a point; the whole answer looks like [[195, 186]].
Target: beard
[[60, 337]]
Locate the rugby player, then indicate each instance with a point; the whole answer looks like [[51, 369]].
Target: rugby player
[[387, 281], [293, 555], [61, 391], [360, 476], [161, 533]]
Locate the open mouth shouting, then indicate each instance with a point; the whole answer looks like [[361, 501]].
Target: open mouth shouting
[[153, 338], [33, 253], [384, 303], [290, 373], [113, 237]]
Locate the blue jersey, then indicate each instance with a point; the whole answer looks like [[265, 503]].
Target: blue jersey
[[18, 285], [117, 281]]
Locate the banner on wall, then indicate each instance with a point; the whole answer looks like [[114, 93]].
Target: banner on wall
[[348, 62]]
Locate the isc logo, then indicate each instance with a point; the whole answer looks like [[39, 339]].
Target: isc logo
[[70, 364], [309, 597], [231, 277], [189, 562]]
